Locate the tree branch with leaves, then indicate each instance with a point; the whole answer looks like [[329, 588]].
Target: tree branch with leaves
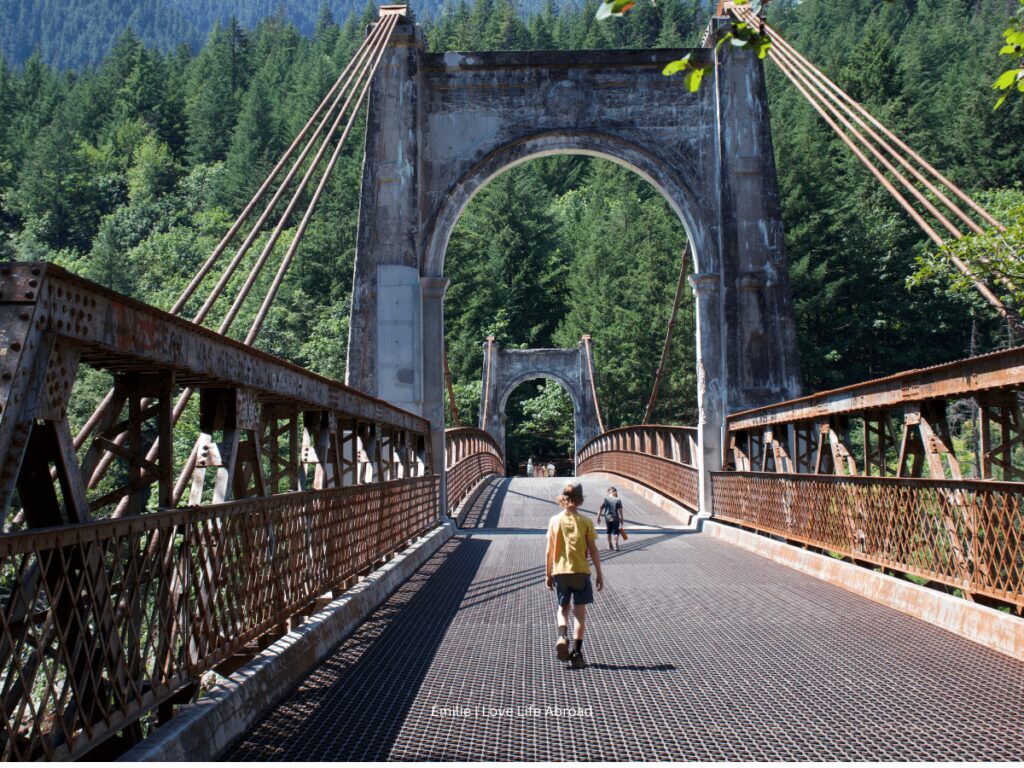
[[740, 35], [1013, 77]]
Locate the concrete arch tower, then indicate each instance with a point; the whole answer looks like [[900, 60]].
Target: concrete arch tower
[[440, 126], [506, 369]]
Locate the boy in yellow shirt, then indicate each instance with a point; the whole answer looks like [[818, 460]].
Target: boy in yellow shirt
[[571, 537]]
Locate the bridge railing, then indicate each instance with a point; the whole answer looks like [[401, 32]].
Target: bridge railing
[[113, 599], [472, 455], [107, 621], [661, 457], [878, 472]]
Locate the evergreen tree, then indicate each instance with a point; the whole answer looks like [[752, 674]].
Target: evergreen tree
[[220, 73]]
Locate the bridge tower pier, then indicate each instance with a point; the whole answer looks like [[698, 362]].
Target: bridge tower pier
[[441, 126]]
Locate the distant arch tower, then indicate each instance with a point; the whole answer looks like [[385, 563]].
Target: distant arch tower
[[506, 369]]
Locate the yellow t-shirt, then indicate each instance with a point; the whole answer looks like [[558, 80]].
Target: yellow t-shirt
[[569, 535]]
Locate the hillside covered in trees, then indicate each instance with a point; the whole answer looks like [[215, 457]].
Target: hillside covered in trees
[[81, 33], [129, 173]]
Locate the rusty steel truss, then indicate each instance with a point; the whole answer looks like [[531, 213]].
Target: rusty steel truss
[[661, 457], [472, 455], [871, 472], [894, 426], [264, 425], [113, 600]]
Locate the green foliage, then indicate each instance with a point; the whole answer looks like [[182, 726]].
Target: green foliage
[[692, 73], [995, 257], [541, 417], [1014, 47]]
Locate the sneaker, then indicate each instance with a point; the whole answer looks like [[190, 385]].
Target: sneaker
[[576, 660], [562, 649]]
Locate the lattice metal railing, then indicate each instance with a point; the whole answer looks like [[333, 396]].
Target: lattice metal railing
[[472, 455], [103, 622], [876, 472], [967, 535], [660, 457], [113, 599], [264, 426]]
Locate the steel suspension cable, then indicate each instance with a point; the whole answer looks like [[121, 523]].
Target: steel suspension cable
[[812, 92], [983, 289], [372, 49], [250, 206], [356, 65], [379, 46], [325, 177], [853, 103], [794, 75], [342, 84], [593, 385], [856, 112], [859, 113], [261, 261], [451, 390], [377, 40], [667, 347]]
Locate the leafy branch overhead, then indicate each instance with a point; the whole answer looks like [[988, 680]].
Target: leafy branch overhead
[[994, 256], [740, 35], [1013, 77]]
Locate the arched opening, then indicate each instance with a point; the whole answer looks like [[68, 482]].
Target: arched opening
[[553, 247], [538, 420]]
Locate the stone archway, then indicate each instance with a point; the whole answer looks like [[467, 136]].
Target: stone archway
[[440, 126], [506, 369]]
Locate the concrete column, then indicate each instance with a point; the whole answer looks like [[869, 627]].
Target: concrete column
[[761, 352], [711, 390], [384, 332], [432, 291]]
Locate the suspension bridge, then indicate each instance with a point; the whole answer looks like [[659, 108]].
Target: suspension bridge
[[236, 558]]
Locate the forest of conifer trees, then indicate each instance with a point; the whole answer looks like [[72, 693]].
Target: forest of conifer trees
[[129, 172]]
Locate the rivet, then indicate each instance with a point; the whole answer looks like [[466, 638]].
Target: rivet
[[35, 271], [30, 294], [24, 316], [16, 346]]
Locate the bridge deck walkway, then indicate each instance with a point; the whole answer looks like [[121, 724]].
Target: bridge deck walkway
[[698, 650]]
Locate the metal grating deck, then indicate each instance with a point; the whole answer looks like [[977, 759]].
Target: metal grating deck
[[698, 651]]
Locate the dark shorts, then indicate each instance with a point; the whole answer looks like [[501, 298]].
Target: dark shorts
[[574, 586], [613, 528]]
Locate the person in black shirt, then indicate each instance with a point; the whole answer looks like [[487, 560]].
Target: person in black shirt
[[611, 510]]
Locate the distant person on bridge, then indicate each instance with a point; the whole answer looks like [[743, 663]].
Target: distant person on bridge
[[529, 467], [551, 470], [611, 510], [571, 537]]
